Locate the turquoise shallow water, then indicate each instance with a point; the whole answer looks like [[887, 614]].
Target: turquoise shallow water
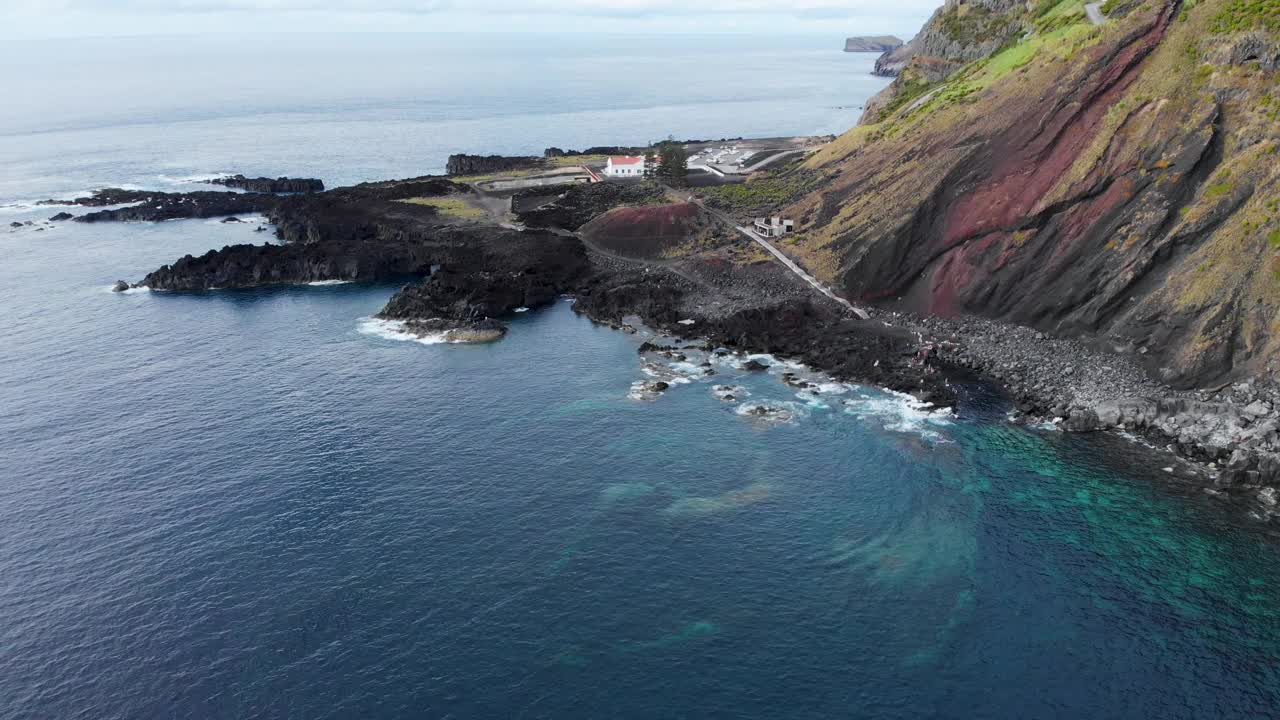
[[240, 505]]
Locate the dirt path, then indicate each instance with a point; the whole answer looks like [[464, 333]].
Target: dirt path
[[782, 257]]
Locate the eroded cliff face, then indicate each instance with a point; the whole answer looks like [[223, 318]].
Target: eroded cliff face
[[958, 32], [1118, 183]]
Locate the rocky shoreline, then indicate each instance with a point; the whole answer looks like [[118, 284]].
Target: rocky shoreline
[[1230, 431], [467, 278], [270, 185]]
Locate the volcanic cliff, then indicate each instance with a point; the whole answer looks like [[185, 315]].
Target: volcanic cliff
[[1116, 182]]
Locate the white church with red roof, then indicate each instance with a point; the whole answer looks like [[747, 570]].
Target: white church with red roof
[[625, 166]]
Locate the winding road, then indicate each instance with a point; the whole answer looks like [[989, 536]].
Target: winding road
[[782, 257], [1094, 12]]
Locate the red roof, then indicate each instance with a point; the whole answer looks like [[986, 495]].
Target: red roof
[[627, 160]]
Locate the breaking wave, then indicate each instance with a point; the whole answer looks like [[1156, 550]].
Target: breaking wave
[[900, 412], [395, 330], [131, 291]]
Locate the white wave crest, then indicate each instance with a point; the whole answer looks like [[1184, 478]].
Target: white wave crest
[[900, 412], [812, 399], [192, 179], [327, 283], [140, 290], [253, 220], [775, 413], [395, 330], [19, 208]]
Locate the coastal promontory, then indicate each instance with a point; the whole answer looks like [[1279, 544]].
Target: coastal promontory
[[872, 43]]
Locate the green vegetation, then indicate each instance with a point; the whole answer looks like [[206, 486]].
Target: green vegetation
[[564, 161], [448, 207], [1218, 189], [1011, 59], [908, 90], [760, 195], [1241, 15], [972, 24], [668, 163], [1273, 239], [1116, 9], [1060, 15], [981, 74]]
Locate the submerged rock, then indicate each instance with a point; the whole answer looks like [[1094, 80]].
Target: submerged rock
[[481, 331]]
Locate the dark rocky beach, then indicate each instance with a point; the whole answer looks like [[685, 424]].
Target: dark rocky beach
[[464, 278]]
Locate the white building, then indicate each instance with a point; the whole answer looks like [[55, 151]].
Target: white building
[[625, 166], [774, 226]]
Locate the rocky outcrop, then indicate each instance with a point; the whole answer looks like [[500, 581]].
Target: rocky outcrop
[[108, 196], [61, 216], [958, 32], [513, 270], [799, 327], [176, 206], [149, 205], [270, 185], [554, 152], [463, 164], [582, 203], [872, 43], [893, 61]]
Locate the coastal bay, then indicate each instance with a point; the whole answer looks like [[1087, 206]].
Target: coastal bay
[[680, 484]]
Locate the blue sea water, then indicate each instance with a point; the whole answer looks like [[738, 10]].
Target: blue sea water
[[249, 505]]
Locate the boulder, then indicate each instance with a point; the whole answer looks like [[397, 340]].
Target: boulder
[[120, 286]]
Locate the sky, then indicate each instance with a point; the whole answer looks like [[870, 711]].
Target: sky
[[834, 18]]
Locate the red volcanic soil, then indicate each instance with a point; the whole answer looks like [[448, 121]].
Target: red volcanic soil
[[645, 232]]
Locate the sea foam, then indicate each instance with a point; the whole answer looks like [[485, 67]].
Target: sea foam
[[395, 330], [900, 412]]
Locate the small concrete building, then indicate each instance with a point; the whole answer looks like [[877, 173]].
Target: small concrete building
[[625, 166], [774, 226]]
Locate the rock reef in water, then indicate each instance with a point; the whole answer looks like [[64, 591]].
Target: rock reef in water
[[270, 185], [463, 164], [148, 205]]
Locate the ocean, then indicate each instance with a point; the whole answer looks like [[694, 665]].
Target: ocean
[[262, 504]]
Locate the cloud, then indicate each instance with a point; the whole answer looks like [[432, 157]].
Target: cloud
[[608, 8], [835, 18]]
